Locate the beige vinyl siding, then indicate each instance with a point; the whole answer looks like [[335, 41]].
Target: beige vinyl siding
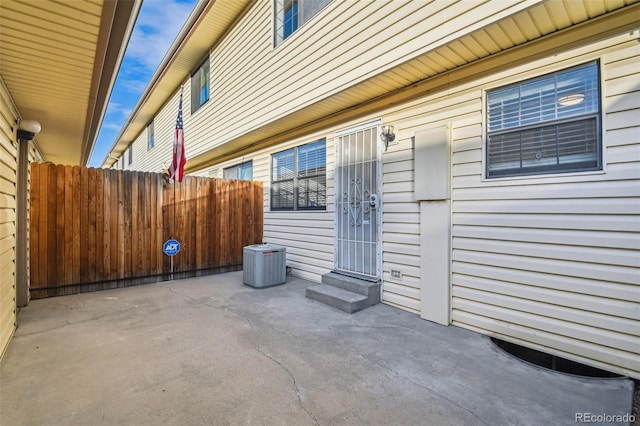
[[338, 48], [8, 170], [400, 227], [34, 157], [552, 262]]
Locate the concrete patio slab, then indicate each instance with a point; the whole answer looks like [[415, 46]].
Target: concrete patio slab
[[212, 351]]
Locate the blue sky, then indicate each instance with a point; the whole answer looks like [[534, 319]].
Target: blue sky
[[158, 23]]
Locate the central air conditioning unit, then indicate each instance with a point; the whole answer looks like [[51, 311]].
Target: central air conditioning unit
[[264, 265]]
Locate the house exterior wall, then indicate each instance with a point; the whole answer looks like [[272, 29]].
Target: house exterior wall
[[553, 261], [547, 261], [339, 48], [8, 177]]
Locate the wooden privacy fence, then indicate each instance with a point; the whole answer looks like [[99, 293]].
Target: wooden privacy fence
[[93, 229]]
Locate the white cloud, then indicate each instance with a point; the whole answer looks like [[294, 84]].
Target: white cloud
[[134, 85], [112, 126], [157, 27], [118, 108]]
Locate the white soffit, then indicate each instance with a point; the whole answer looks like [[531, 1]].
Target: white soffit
[[59, 60]]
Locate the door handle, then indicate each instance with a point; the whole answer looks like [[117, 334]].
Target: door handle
[[374, 201]]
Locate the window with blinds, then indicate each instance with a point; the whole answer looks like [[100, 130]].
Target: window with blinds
[[291, 14], [299, 178], [550, 124]]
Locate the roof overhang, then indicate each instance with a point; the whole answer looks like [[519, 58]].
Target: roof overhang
[[205, 27], [59, 61]]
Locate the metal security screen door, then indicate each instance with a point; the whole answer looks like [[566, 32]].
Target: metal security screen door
[[358, 214]]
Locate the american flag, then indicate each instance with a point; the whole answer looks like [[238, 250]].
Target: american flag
[[176, 171]]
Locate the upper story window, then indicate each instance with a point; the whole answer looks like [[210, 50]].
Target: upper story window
[[550, 124], [292, 14], [299, 178], [200, 86], [130, 159], [242, 171], [122, 162], [150, 136]]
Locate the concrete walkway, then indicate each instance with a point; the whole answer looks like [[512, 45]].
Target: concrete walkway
[[211, 351]]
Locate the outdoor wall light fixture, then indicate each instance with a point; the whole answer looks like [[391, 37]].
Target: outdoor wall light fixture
[[387, 136], [572, 99], [28, 129]]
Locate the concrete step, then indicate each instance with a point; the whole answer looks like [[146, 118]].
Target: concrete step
[[367, 288], [339, 298]]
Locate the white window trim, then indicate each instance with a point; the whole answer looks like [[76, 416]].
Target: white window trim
[[514, 78], [274, 23], [295, 147], [191, 78], [237, 165], [151, 129]]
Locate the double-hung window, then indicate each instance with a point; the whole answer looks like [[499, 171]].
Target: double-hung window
[[299, 178], [130, 160], [291, 14], [243, 171], [200, 86], [550, 124]]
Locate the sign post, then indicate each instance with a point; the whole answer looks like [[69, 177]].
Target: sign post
[[171, 247]]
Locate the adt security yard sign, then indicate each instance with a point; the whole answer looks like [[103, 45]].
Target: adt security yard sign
[[171, 247]]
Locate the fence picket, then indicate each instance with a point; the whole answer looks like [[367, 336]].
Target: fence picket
[[106, 229], [91, 226], [34, 228], [51, 233], [68, 227], [60, 237], [77, 208]]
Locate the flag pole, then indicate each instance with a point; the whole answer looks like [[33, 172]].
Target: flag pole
[[173, 228], [176, 171]]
